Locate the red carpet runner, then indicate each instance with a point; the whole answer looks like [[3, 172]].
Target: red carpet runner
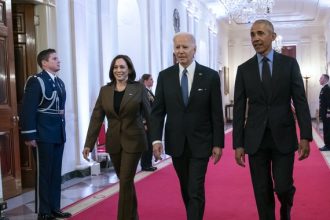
[[229, 194]]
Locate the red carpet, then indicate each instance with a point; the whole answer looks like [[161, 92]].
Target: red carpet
[[229, 194]]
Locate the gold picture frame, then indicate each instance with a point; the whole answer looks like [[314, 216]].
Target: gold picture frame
[[226, 80]]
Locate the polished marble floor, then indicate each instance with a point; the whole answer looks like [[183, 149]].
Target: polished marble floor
[[22, 207]]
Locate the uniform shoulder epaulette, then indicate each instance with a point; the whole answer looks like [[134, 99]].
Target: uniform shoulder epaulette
[[27, 80]]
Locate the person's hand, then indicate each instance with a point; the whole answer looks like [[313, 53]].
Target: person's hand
[[303, 149], [31, 143], [216, 154], [86, 153], [157, 149], [240, 156]]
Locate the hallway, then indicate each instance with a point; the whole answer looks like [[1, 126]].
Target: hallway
[[22, 207]]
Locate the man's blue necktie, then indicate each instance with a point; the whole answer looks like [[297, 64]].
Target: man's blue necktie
[[266, 77], [184, 86]]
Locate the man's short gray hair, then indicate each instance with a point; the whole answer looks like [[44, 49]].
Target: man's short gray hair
[[185, 34]]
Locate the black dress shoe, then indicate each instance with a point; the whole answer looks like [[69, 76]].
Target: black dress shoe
[[151, 169], [325, 148], [45, 217], [60, 214]]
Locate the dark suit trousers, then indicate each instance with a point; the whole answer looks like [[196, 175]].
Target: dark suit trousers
[[270, 168], [147, 155], [191, 173], [125, 165], [326, 131], [48, 158]]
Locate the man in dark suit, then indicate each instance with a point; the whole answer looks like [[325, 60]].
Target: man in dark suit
[[189, 95], [264, 126], [325, 111], [43, 128], [146, 158]]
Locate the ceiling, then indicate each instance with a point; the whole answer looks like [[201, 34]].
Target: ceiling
[[289, 13]]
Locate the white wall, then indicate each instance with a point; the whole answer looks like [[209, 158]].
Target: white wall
[[222, 61], [327, 42], [130, 32], [68, 72]]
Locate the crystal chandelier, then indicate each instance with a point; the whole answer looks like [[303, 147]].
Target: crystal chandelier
[[246, 11]]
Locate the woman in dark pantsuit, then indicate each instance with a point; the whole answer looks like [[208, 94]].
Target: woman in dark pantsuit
[[124, 102]]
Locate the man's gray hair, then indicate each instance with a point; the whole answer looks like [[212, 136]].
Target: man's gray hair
[[185, 34], [266, 22]]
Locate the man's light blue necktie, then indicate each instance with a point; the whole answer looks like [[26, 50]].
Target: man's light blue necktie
[[184, 86]]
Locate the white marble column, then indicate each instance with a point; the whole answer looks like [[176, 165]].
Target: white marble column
[[46, 32]]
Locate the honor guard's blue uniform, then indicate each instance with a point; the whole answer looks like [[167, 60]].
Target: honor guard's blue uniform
[[42, 119]]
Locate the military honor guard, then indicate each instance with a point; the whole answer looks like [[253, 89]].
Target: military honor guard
[[43, 129]]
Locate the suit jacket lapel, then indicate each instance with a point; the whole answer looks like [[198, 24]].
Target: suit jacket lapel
[[151, 93], [48, 80], [276, 74], [110, 91], [175, 78], [130, 91], [255, 76], [50, 84], [197, 78], [151, 96]]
